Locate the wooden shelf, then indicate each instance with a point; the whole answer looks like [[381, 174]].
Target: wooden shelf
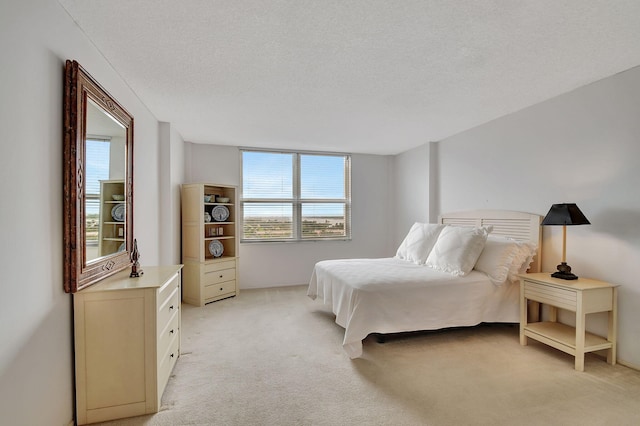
[[218, 259], [565, 336], [108, 237], [207, 278]]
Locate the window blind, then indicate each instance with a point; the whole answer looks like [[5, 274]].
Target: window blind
[[290, 196]]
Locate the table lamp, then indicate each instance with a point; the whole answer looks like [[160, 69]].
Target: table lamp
[[564, 214]]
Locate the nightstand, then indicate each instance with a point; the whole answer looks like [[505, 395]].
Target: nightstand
[[582, 296]]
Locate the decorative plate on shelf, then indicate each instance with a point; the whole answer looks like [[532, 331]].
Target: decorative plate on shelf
[[220, 213], [216, 248], [117, 212]]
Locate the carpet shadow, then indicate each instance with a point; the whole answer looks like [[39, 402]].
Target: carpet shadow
[[411, 367]]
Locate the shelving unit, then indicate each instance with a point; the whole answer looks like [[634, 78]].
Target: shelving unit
[[111, 233], [207, 277]]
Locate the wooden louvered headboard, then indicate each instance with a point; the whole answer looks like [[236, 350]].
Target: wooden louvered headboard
[[517, 225]]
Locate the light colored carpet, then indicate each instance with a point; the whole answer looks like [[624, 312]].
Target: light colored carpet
[[274, 357]]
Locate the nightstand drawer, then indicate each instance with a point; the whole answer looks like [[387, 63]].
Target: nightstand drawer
[[562, 298]]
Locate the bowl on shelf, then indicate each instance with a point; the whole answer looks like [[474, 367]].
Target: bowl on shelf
[[222, 199], [118, 197], [207, 198]]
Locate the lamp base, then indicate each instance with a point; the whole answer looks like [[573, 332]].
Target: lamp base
[[564, 272]]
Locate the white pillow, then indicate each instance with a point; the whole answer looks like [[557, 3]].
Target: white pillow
[[418, 243], [522, 261], [457, 249], [497, 258]]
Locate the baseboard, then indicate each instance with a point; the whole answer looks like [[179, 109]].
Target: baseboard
[[629, 365], [603, 355]]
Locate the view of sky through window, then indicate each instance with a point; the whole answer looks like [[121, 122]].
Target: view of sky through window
[[270, 175]]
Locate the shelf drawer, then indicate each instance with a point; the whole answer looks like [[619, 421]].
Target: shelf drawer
[[219, 276], [168, 308], [217, 266], [219, 290], [559, 297]]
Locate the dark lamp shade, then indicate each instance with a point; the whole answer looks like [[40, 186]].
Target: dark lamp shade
[[565, 214]]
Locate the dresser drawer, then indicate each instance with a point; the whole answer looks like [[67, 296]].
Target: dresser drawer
[[166, 334], [167, 309], [218, 290], [219, 276], [168, 289], [562, 298], [167, 361], [217, 266]]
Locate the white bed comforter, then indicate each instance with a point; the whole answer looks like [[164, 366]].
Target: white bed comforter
[[393, 295]]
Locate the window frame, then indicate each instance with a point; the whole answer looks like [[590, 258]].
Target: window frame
[[296, 200]]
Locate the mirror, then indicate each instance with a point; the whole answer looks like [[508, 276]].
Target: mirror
[[104, 207], [98, 181]]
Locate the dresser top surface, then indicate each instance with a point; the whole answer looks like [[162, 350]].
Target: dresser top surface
[[152, 277]]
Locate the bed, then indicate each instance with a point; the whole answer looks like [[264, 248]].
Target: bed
[[418, 290]]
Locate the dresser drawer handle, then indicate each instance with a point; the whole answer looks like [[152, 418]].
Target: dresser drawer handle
[[170, 331], [171, 356], [221, 288], [221, 276], [170, 307]]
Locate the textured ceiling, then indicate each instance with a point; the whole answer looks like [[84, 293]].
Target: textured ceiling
[[362, 76]]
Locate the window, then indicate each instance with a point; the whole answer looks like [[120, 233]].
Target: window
[[291, 196], [97, 159]]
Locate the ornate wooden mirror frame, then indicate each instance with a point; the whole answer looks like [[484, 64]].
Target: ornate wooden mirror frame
[[81, 270]]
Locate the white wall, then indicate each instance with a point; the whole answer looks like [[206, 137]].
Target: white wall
[[36, 364], [282, 264], [582, 147], [410, 190], [170, 177]]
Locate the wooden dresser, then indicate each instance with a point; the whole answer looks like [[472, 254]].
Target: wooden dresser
[[127, 340]]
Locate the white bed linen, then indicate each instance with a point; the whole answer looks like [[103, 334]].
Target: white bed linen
[[392, 295]]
